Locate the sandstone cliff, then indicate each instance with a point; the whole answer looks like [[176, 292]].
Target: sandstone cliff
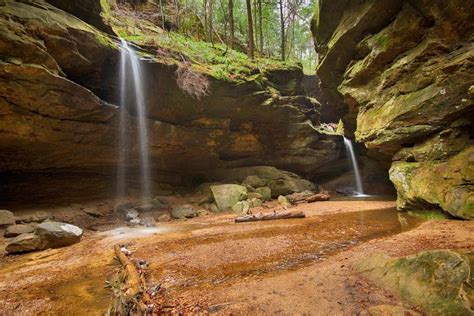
[[58, 90], [401, 75]]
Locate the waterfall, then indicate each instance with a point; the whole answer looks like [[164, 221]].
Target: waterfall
[[350, 152], [132, 98]]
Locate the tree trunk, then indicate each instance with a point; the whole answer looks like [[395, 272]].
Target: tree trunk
[[178, 22], [250, 31], [206, 32], [162, 11], [255, 25], [282, 30], [211, 14], [231, 21], [260, 24]]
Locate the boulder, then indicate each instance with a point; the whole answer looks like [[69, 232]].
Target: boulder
[[283, 201], [18, 229], [265, 192], [160, 203], [227, 195], [280, 182], [25, 243], [437, 184], [148, 222], [254, 195], [289, 185], [131, 214], [58, 234], [241, 207], [145, 207], [134, 222], [254, 202], [437, 281], [93, 211], [35, 217], [254, 181], [165, 217], [6, 218], [183, 211]]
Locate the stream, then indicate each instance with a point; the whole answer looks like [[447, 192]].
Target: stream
[[183, 255]]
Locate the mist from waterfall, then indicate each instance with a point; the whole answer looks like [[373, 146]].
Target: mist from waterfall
[[355, 167], [132, 99]]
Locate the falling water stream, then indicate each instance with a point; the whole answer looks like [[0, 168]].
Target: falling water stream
[[132, 99], [355, 167]]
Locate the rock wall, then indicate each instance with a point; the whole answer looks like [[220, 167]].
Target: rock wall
[[58, 83], [401, 75]]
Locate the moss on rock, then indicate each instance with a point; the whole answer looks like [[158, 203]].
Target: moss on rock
[[439, 282], [447, 184]]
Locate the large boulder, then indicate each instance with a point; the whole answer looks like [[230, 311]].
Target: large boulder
[[6, 218], [58, 234], [227, 195], [25, 243], [433, 184], [265, 193], [280, 182], [254, 181], [438, 281]]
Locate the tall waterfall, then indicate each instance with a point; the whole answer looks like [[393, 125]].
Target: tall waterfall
[[132, 99], [350, 152]]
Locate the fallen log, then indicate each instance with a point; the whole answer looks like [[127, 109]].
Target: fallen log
[[133, 281], [131, 297], [304, 197], [318, 197], [269, 216]]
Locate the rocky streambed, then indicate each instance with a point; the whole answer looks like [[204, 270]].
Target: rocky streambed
[[210, 264]]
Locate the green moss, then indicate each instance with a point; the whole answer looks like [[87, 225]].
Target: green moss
[[438, 281], [105, 40], [215, 60], [429, 214], [381, 40]]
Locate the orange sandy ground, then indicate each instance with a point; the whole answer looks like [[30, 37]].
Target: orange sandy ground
[[211, 265]]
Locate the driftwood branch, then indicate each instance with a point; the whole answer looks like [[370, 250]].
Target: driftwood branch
[[269, 216]]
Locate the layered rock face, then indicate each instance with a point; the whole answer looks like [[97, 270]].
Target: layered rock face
[[401, 75], [58, 86]]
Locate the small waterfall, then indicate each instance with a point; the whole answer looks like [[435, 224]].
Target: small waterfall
[[358, 181], [132, 98]]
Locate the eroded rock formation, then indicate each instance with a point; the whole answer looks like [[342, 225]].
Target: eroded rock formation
[[401, 75], [58, 86]]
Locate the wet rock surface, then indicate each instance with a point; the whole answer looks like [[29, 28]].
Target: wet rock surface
[[400, 74]]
